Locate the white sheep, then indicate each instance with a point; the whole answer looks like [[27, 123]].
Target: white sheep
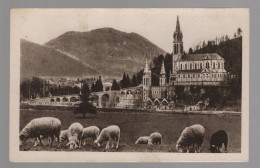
[[142, 140], [155, 138], [90, 132], [64, 136], [193, 135], [45, 127], [110, 132], [74, 135]]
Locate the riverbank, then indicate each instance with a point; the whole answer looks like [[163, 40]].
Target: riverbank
[[166, 111]]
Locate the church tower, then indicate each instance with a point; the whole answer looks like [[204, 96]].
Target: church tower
[[146, 82], [177, 50], [162, 75]]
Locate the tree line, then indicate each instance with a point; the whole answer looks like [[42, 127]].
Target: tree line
[[126, 82], [216, 41], [38, 87]]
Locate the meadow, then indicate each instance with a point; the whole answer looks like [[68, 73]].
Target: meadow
[[136, 124]]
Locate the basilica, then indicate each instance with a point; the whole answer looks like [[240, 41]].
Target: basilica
[[188, 70]]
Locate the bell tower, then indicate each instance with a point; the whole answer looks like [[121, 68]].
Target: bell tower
[[146, 82], [162, 75], [177, 50]]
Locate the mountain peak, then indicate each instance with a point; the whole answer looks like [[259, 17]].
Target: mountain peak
[[107, 50]]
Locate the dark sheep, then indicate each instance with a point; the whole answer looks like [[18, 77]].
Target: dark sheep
[[217, 139]]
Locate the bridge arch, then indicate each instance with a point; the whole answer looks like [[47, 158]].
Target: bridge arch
[[105, 100], [65, 99], [94, 99], [57, 99], [73, 99]]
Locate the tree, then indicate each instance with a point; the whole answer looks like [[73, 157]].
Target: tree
[[98, 86], [85, 106], [115, 85], [204, 44], [190, 51], [226, 38], [93, 89], [239, 31], [140, 76], [128, 81], [123, 81], [134, 81]]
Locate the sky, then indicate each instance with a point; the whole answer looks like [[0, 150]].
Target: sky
[[155, 24]]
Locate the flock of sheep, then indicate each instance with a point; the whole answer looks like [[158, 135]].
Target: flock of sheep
[[50, 127]]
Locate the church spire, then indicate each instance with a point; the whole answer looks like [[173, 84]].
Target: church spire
[[162, 68], [177, 33], [178, 28]]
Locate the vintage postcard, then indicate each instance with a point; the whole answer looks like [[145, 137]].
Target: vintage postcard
[[129, 85]]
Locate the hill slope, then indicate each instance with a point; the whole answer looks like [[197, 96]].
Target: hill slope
[[107, 50], [38, 60]]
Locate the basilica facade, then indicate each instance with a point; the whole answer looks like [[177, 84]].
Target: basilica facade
[[187, 70]]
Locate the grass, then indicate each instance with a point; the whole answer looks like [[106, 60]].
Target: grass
[[133, 125]]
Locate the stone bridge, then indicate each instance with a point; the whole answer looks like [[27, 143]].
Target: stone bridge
[[115, 98]]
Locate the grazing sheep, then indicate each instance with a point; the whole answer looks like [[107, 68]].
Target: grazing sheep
[[155, 138], [74, 135], [90, 132], [42, 138], [45, 126], [64, 136], [142, 140], [193, 135], [110, 132], [217, 139]]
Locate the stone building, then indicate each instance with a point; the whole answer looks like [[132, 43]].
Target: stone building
[[187, 70]]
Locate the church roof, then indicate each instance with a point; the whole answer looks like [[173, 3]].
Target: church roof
[[197, 57]]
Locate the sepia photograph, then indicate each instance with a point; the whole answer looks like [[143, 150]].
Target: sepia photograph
[[129, 85]]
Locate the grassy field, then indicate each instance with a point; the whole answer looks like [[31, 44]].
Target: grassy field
[[133, 125]]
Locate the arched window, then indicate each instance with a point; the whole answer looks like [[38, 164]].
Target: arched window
[[195, 65], [218, 65]]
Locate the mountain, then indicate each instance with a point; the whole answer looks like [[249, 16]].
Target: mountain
[[39, 60], [108, 51]]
